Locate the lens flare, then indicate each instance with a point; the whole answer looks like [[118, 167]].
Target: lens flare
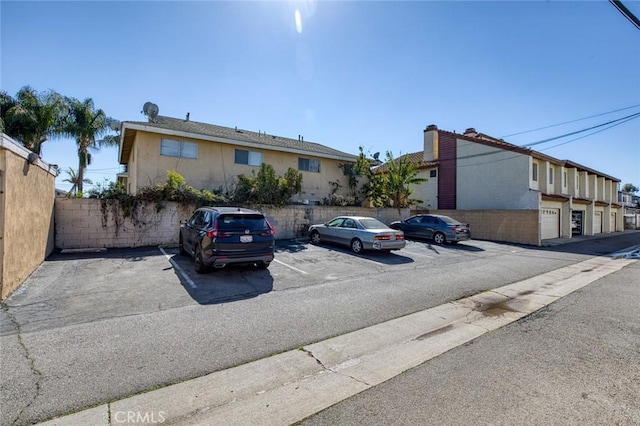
[[298, 18]]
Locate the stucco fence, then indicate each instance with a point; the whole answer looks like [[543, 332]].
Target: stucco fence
[[26, 213], [92, 223]]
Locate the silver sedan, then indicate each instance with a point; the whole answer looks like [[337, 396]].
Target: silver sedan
[[359, 233]]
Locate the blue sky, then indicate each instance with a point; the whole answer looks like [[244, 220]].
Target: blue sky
[[354, 73]]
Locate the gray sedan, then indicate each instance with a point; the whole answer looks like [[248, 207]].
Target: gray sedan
[[359, 233], [433, 226]]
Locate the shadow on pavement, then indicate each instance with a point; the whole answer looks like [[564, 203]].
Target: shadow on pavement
[[231, 284]]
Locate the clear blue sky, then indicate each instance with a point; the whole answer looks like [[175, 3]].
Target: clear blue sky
[[355, 73]]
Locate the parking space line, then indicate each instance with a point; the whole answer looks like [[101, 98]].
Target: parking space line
[[414, 253], [181, 271], [291, 267]]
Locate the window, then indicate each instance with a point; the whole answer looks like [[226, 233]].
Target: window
[[550, 175], [251, 158], [309, 165], [432, 173], [173, 148], [564, 175], [534, 172]]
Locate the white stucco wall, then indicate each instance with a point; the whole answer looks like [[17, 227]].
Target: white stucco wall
[[492, 178]]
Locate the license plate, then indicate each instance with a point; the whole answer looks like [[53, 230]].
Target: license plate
[[246, 238]]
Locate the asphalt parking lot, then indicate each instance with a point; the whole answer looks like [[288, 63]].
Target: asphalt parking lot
[[92, 327]]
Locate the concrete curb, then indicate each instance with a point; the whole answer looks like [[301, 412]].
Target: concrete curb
[[288, 387]]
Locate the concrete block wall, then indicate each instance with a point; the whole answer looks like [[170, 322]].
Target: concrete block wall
[[92, 223], [513, 226]]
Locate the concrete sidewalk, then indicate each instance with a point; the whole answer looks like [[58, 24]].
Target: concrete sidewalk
[[288, 387]]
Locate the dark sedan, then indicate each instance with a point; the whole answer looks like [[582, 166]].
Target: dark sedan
[[439, 228]]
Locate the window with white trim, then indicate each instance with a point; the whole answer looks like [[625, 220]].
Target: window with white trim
[[250, 158], [534, 172], [172, 148], [550, 175], [309, 165]]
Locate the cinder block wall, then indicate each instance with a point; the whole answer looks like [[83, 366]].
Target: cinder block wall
[[513, 226], [92, 223]]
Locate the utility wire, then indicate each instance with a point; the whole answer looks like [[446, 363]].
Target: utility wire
[[567, 122], [626, 12], [526, 146], [549, 147]]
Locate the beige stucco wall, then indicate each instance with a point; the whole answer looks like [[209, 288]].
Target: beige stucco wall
[[84, 223], [26, 214], [215, 166], [514, 226], [491, 178], [427, 191]]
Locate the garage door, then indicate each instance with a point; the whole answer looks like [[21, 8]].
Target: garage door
[[550, 223], [597, 223], [614, 222]]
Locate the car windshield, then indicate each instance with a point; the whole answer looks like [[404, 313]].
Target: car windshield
[[372, 224], [231, 222]]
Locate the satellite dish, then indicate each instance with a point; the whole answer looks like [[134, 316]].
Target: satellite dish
[[150, 110]]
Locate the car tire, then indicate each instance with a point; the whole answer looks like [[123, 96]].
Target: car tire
[[199, 264], [356, 246], [315, 237], [183, 252], [263, 265], [439, 238]]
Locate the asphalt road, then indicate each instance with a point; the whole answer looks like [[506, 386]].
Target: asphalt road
[[89, 328], [575, 362]]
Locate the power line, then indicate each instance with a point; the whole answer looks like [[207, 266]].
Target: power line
[[549, 147], [568, 122], [625, 12]]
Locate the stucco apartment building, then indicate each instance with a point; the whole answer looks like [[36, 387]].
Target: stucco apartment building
[[211, 156], [476, 172]]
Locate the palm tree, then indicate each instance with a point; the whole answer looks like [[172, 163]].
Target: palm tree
[[401, 173], [73, 180], [32, 117], [85, 124]]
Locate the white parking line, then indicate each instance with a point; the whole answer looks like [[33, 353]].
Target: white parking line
[[181, 271], [415, 254], [291, 267]]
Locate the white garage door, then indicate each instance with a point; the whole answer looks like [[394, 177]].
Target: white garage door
[[597, 223], [550, 223]]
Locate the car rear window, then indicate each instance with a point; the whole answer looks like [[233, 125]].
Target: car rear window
[[449, 221], [231, 222], [372, 224]]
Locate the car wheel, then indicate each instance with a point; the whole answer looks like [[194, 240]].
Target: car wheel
[[439, 238], [263, 265], [200, 266], [356, 245], [315, 237], [181, 245]]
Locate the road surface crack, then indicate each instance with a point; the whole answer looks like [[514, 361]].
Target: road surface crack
[[308, 352], [36, 373]]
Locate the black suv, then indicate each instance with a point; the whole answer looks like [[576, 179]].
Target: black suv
[[218, 236]]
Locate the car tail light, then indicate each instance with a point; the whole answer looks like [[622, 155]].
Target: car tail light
[[399, 236], [271, 232], [215, 233], [382, 237]]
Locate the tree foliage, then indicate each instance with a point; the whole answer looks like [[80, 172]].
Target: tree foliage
[[629, 188], [390, 184], [85, 124], [32, 118], [266, 187]]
